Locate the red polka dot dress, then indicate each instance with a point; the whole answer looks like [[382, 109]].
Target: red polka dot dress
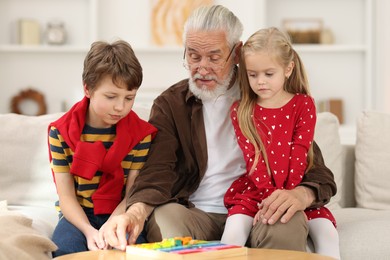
[[287, 134]]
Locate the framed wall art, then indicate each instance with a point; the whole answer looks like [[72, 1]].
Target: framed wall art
[[168, 18]]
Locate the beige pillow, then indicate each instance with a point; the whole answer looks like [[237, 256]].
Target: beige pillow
[[328, 139], [25, 175], [373, 161]]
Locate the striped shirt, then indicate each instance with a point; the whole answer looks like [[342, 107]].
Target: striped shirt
[[62, 157]]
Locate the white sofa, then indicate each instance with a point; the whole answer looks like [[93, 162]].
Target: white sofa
[[362, 172]]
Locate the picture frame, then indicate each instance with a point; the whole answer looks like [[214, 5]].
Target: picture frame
[[304, 30]]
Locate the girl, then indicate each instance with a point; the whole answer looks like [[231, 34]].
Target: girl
[[98, 147], [274, 123]]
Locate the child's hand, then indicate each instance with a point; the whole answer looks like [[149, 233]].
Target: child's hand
[[101, 237], [93, 240]]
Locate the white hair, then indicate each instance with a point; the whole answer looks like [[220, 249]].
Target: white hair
[[215, 18]]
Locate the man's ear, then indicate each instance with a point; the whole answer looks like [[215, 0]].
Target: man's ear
[[237, 52], [87, 93]]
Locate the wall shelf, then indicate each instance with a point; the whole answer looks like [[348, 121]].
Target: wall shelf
[[43, 49], [326, 48]]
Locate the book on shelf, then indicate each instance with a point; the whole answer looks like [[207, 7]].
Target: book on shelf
[[29, 32], [185, 248], [334, 106]]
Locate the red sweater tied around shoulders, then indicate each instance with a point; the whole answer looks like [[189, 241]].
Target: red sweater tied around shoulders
[[89, 157]]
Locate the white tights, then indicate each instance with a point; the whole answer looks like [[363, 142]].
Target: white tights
[[237, 229], [325, 237], [321, 231]]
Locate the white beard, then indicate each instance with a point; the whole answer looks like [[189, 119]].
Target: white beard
[[203, 93]]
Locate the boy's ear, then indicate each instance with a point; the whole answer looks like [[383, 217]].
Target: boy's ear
[[237, 52], [86, 91]]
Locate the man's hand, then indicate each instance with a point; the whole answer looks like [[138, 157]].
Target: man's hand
[[131, 222], [283, 204]]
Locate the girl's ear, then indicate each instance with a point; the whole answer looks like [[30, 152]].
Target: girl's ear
[[289, 69], [87, 93]]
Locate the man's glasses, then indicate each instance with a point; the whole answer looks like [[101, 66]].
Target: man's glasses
[[192, 62]]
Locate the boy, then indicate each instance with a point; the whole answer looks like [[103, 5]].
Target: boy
[[98, 147]]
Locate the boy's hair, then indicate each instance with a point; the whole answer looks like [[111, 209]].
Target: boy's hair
[[212, 18], [116, 60], [278, 45]]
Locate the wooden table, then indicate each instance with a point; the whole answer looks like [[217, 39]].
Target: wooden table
[[254, 254]]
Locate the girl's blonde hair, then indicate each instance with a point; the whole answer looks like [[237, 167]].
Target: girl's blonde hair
[[278, 45]]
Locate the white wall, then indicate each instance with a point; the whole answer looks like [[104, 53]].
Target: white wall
[[129, 20], [117, 16], [138, 19], [382, 64], [132, 20]]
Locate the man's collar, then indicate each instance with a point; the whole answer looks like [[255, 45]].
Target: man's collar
[[190, 95]]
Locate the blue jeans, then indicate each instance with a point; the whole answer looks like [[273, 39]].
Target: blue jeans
[[70, 239]]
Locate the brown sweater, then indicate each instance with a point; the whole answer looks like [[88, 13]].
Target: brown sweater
[[178, 156]]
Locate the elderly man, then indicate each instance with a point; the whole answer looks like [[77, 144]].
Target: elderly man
[[195, 156]]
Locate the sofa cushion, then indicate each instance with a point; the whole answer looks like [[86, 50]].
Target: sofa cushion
[[25, 175], [365, 229], [373, 160], [328, 139]]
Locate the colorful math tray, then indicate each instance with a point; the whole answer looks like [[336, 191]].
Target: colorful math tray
[[184, 249]]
